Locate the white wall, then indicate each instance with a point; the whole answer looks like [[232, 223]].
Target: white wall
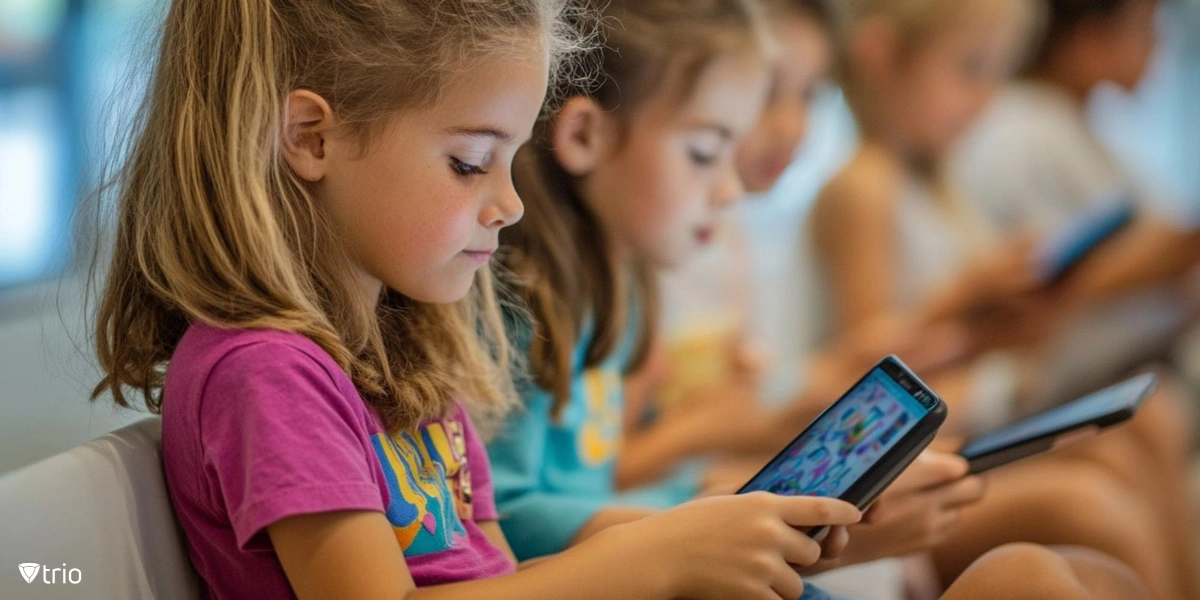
[[45, 380]]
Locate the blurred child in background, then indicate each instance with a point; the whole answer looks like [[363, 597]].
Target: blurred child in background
[[1034, 164], [896, 241]]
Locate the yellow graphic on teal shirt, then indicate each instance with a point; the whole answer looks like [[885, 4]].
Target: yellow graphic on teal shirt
[[600, 433]]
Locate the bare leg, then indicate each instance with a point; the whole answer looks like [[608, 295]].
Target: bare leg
[[1152, 457], [1104, 576], [1165, 428], [1022, 571], [1062, 502]]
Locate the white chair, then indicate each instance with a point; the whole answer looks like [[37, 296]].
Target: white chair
[[101, 508]]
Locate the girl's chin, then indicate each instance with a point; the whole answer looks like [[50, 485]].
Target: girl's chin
[[453, 289], [671, 260]]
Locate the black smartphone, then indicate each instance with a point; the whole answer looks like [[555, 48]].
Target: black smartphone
[[1059, 425], [1065, 249], [861, 443]]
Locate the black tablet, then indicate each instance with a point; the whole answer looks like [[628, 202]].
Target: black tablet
[[861, 443], [1044, 431]]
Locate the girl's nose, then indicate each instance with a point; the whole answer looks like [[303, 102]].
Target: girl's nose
[[729, 189], [506, 209]]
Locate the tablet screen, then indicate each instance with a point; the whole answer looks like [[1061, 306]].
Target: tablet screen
[[1086, 410], [844, 442]]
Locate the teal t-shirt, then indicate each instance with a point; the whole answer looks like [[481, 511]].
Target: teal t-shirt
[[551, 476]]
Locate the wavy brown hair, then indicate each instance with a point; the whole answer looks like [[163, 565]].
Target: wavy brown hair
[[569, 274], [212, 226], [817, 10]]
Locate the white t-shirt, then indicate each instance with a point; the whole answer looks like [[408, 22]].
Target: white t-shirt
[[1033, 163]]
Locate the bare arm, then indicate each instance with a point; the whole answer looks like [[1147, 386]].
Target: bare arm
[[355, 555], [854, 236], [738, 546], [609, 517], [641, 385], [719, 418], [647, 453], [1150, 252]]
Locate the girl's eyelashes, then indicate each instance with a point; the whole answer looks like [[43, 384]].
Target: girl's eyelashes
[[702, 159], [464, 169]]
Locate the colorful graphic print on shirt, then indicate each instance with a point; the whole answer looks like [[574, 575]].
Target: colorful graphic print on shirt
[[430, 483]]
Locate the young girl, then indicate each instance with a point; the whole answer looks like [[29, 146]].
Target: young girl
[[893, 237], [705, 358], [628, 177], [691, 393], [300, 285]]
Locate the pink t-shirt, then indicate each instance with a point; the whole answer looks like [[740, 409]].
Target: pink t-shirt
[[259, 425]]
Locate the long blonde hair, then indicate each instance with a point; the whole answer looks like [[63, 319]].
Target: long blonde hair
[[212, 225], [570, 277]]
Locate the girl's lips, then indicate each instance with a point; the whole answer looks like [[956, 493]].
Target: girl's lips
[[479, 257], [704, 235], [775, 168]]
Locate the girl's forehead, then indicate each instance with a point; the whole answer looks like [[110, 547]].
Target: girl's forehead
[[995, 29], [931, 17], [496, 89], [724, 96], [998, 14]]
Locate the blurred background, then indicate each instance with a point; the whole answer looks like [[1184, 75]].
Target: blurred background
[[69, 71], [67, 76]]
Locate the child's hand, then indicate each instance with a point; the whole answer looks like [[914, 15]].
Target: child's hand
[[748, 361], [1023, 321], [722, 418], [1004, 274], [832, 548], [924, 346], [745, 547], [918, 512]]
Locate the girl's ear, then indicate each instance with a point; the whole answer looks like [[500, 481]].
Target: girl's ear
[[307, 119], [874, 47], [583, 134]]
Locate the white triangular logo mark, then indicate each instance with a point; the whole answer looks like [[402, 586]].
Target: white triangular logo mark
[[29, 571]]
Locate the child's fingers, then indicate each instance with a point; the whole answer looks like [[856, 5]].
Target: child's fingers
[[835, 543], [930, 469], [871, 515], [947, 523], [798, 549], [808, 511], [967, 490], [749, 359], [788, 585]]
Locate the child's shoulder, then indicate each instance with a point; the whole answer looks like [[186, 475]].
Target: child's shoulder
[[866, 186], [209, 356], [204, 346], [872, 171]]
